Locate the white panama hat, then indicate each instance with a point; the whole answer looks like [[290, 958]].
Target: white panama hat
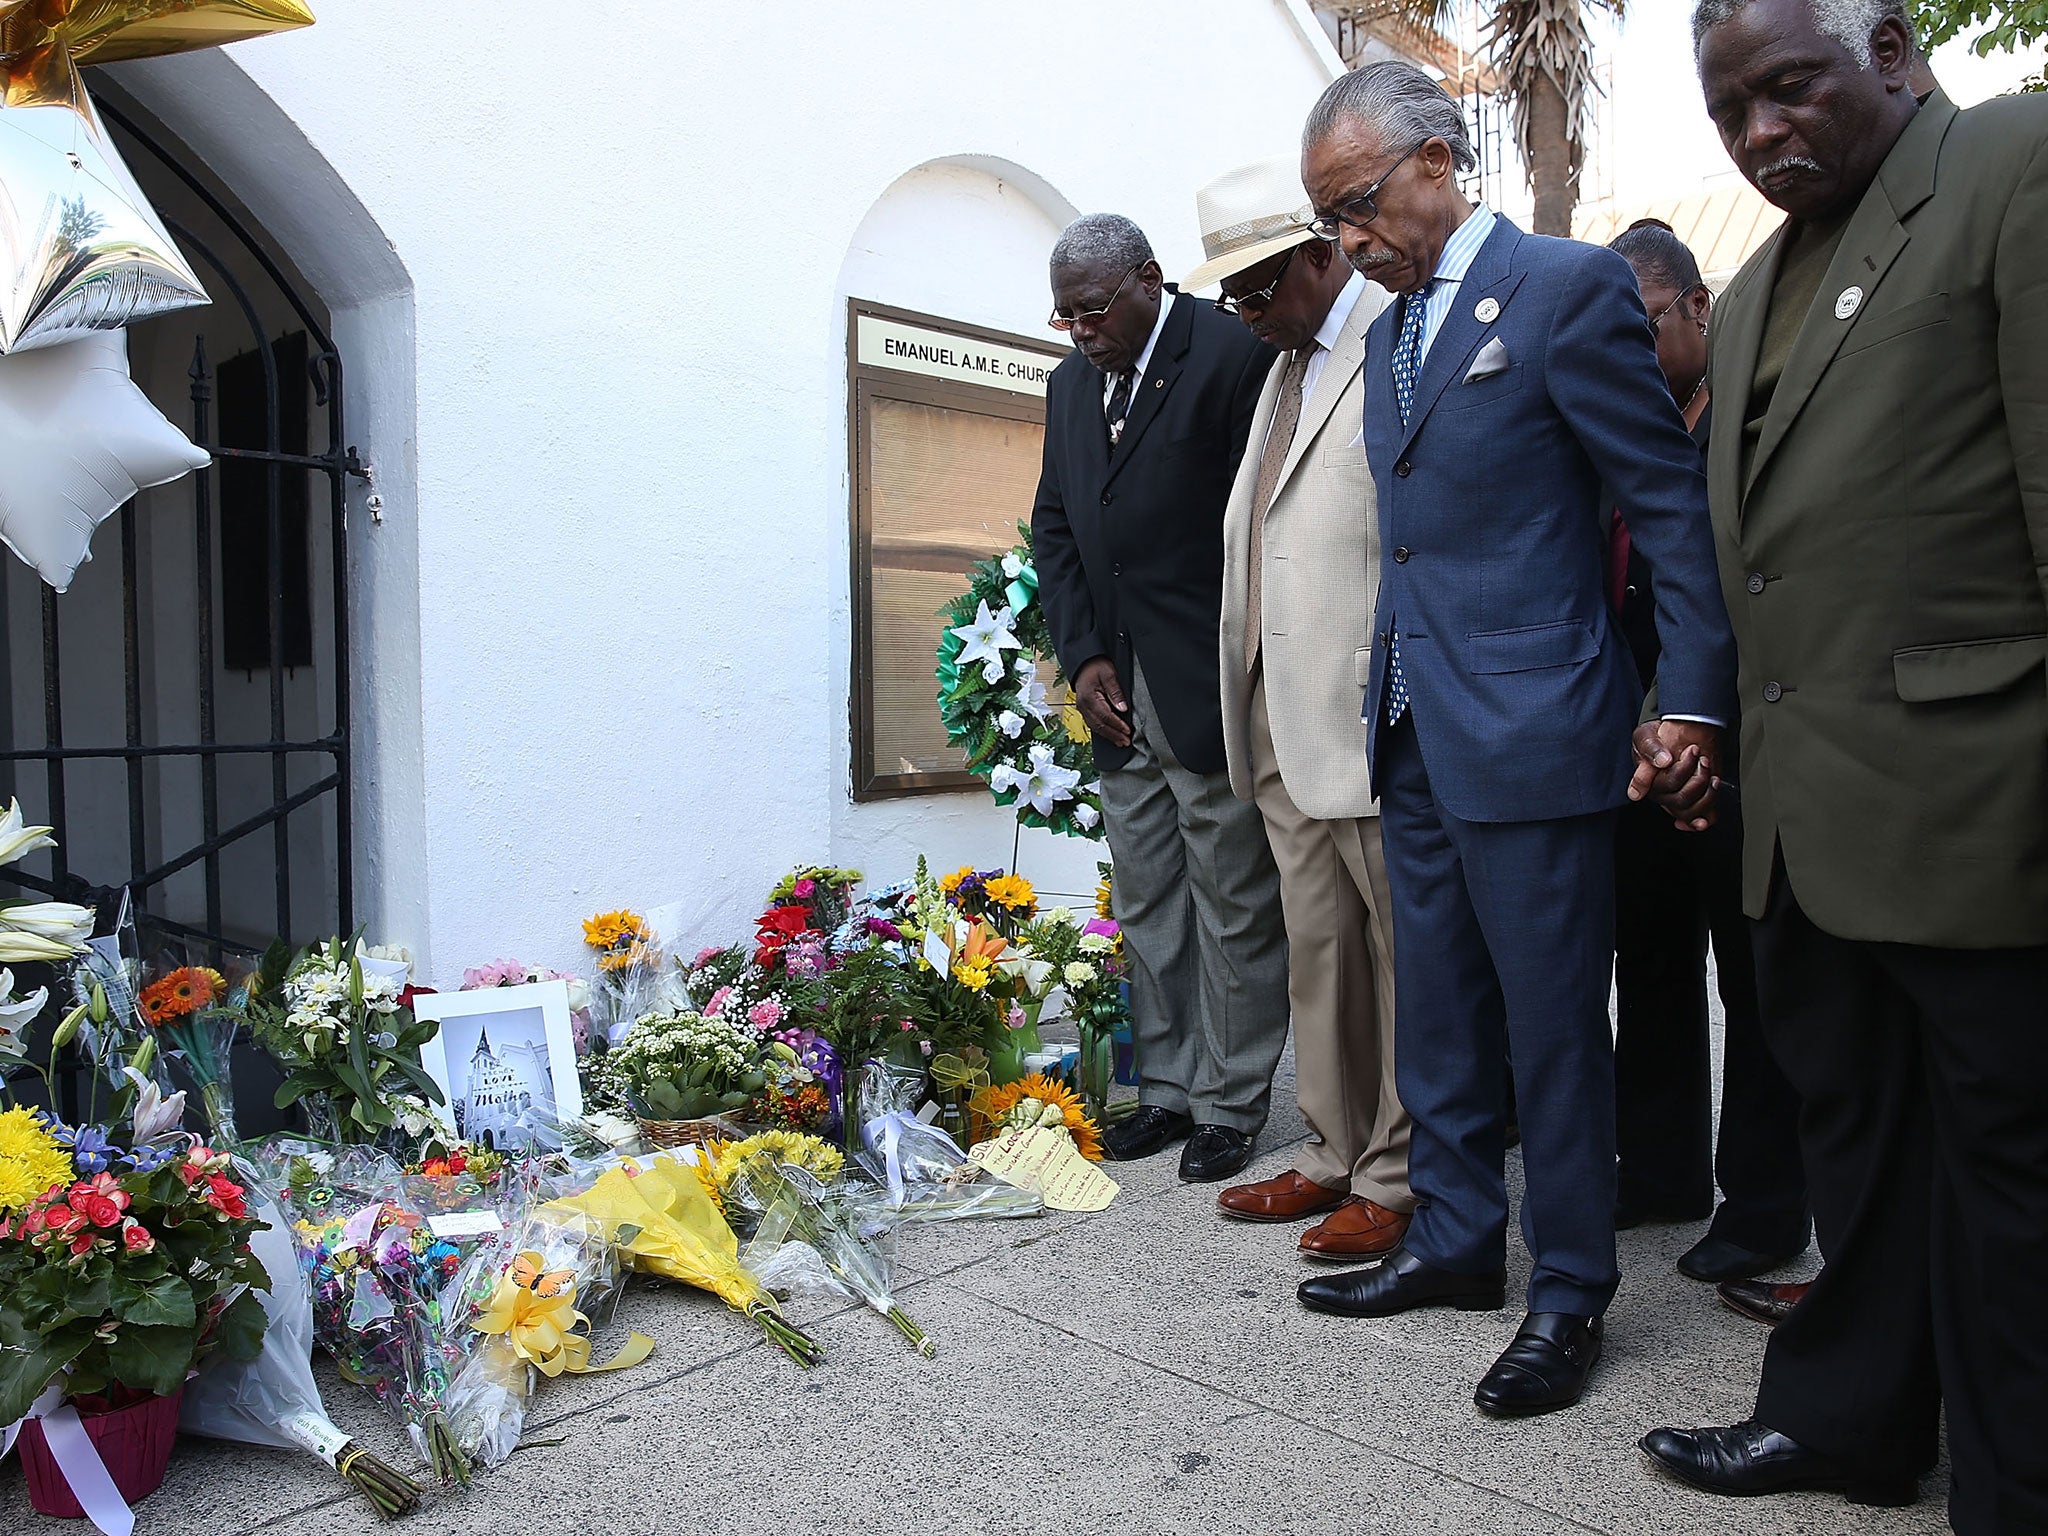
[[1248, 214]]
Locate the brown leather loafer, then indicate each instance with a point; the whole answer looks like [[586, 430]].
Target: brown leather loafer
[[1290, 1197], [1761, 1300], [1357, 1229]]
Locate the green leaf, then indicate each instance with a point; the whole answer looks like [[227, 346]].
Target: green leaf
[[298, 1085], [151, 1359], [29, 1361], [417, 1076], [241, 1327], [165, 1304]]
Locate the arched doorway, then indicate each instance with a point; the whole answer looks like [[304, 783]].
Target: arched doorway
[[182, 716]]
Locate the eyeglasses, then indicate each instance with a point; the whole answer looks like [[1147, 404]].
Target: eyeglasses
[[1263, 297], [1657, 320], [1362, 209], [1060, 322]]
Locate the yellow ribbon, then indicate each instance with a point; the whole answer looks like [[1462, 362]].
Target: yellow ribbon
[[956, 1074], [542, 1329]]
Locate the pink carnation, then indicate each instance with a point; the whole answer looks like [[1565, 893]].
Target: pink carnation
[[806, 889], [705, 956], [765, 1015], [716, 1007]]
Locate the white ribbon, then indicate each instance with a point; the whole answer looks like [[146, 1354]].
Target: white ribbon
[[78, 1459], [884, 1136]]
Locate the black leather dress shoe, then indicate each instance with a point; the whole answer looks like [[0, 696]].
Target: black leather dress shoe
[[1544, 1369], [1214, 1152], [1750, 1458], [1714, 1259], [1399, 1283], [1145, 1130]]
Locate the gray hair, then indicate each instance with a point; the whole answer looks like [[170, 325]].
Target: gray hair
[[1852, 23], [1398, 102], [1098, 241]]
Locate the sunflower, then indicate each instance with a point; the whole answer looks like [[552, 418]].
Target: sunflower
[[1013, 893], [181, 993], [790, 1149], [31, 1159], [1105, 900], [1027, 1101], [608, 929], [951, 883]]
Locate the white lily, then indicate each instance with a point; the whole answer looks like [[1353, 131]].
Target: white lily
[[987, 637], [18, 947], [1036, 974], [155, 1115], [17, 839], [16, 1014], [1034, 701], [1041, 783], [60, 921]]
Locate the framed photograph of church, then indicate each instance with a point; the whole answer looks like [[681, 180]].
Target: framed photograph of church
[[506, 1058]]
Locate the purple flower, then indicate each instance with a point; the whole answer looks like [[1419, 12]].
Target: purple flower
[[1101, 925], [806, 889], [91, 1152], [882, 928]]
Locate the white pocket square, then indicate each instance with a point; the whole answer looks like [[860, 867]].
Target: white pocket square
[[1492, 359]]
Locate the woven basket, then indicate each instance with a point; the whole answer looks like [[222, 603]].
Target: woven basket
[[684, 1133]]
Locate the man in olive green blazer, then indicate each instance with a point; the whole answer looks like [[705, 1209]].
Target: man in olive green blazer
[[1879, 484]]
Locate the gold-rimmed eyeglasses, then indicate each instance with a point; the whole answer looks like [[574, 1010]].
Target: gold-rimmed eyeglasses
[[1060, 322]]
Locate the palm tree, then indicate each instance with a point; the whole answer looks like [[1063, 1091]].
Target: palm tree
[[1541, 52]]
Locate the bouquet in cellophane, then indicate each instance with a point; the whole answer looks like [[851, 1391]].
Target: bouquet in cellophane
[[388, 1291], [533, 1295]]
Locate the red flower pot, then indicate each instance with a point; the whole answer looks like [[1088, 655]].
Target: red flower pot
[[134, 1442]]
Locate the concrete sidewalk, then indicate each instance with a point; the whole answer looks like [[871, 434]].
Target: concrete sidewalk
[[1142, 1370]]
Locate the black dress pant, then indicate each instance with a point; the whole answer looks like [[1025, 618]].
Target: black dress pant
[[1674, 891], [1923, 1083]]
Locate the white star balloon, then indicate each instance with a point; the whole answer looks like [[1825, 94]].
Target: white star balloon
[[77, 439]]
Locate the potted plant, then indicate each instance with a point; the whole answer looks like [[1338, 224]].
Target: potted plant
[[121, 1266]]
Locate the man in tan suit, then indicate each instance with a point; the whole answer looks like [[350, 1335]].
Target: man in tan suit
[[1301, 564]]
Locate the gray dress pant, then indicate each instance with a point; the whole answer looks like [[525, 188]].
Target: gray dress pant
[[1198, 897]]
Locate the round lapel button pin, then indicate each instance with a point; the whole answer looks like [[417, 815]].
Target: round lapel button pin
[[1850, 301], [1487, 312]]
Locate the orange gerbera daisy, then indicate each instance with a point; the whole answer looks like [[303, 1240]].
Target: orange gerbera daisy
[[1028, 1101], [181, 993]]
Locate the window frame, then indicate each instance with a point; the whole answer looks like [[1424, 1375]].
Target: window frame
[[865, 384]]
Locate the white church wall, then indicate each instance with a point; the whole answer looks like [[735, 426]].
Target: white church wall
[[620, 515]]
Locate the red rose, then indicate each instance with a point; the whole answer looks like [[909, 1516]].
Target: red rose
[[135, 1236]]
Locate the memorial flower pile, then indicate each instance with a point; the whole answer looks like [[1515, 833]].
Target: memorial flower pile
[[687, 1066]]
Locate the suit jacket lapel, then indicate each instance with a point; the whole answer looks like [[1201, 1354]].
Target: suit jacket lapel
[[1871, 243], [1167, 360], [1463, 332], [1738, 337], [1345, 359]]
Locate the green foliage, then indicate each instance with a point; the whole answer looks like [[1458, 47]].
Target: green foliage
[[2009, 25], [869, 996], [122, 1280]]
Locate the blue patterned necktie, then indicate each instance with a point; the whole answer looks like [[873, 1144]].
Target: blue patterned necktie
[[1407, 364]]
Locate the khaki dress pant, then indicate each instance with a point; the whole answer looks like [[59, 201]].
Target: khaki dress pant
[[1340, 984], [1199, 902]]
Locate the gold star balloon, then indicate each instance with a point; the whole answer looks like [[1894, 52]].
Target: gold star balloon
[[81, 249]]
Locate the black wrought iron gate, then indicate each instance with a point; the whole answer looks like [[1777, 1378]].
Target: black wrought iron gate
[[266, 536]]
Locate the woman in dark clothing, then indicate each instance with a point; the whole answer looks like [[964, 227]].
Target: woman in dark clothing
[[1677, 890]]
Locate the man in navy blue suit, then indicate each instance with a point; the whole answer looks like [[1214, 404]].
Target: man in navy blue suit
[[1515, 377]]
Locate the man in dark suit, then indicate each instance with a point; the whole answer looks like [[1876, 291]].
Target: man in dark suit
[[1522, 378], [1879, 474], [1145, 424]]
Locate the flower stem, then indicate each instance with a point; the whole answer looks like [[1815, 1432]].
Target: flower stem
[[787, 1337], [912, 1332], [390, 1492]]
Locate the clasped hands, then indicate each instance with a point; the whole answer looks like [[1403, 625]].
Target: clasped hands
[[1675, 769]]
